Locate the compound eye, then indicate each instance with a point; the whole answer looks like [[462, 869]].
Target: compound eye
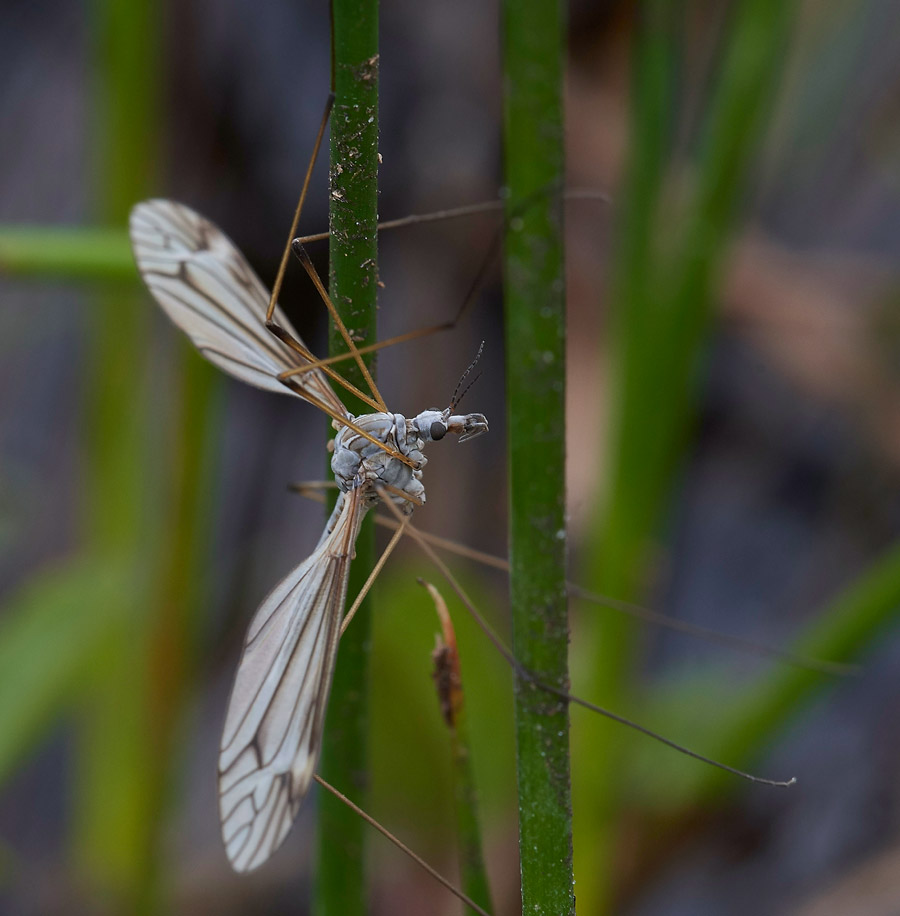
[[438, 430]]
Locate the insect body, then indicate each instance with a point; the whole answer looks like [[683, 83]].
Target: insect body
[[273, 727], [358, 461]]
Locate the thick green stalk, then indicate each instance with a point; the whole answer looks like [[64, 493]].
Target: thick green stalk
[[535, 347], [341, 888]]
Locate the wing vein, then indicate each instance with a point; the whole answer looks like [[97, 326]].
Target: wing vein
[[280, 695]]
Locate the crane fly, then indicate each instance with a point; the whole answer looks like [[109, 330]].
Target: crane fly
[[273, 727]]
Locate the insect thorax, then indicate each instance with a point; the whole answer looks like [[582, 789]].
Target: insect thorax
[[358, 462]]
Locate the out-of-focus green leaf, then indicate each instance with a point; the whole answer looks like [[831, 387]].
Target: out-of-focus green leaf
[[50, 631], [124, 739], [734, 725], [66, 253], [673, 239]]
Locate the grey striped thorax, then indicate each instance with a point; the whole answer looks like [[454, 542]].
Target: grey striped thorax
[[358, 462]]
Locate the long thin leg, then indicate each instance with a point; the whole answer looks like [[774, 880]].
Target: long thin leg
[[468, 901], [278, 331], [284, 335], [313, 362], [298, 346], [471, 294], [529, 678], [339, 324], [376, 569], [486, 206], [470, 297], [739, 643]]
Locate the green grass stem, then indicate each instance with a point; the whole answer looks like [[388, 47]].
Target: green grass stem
[[533, 51], [353, 250]]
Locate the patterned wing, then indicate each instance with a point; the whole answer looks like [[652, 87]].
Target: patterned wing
[[205, 285], [273, 728]]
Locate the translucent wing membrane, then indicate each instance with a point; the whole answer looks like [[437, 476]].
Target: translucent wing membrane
[[206, 286], [273, 728]]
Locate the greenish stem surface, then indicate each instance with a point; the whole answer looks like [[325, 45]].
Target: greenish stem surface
[[533, 43], [353, 250]]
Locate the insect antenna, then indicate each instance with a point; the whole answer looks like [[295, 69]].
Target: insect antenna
[[459, 395]]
